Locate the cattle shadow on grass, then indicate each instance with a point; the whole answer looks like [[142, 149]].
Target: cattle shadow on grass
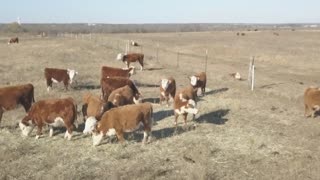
[[216, 91], [152, 69], [146, 85], [157, 116], [215, 117], [151, 100], [86, 86]]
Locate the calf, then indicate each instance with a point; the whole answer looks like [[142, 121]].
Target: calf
[[311, 101], [112, 83], [12, 96], [59, 75], [13, 40], [93, 106], [184, 103], [130, 58], [167, 89], [123, 96], [107, 71], [124, 119], [53, 112], [199, 81]]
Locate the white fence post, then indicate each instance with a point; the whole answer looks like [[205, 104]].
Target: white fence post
[[251, 74]]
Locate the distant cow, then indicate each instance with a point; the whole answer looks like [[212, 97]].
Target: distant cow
[[130, 58], [311, 101], [112, 83], [167, 89], [59, 75], [13, 40], [199, 81], [123, 119], [12, 96], [184, 103], [133, 43], [107, 71], [52, 112]]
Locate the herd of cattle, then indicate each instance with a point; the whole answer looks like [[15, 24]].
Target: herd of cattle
[[117, 110]]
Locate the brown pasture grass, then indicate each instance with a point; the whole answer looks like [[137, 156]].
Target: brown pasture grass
[[238, 134]]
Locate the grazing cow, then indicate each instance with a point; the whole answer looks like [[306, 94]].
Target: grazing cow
[[59, 75], [89, 125], [13, 40], [130, 58], [199, 81], [124, 119], [167, 89], [311, 101], [12, 96], [52, 112], [107, 71], [184, 103], [112, 83], [123, 96], [93, 106], [133, 43]]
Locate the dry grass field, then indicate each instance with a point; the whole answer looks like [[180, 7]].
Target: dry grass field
[[238, 134]]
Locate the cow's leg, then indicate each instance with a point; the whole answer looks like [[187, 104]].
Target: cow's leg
[[185, 118], [49, 84], [167, 99], [141, 65], [1, 112], [306, 111], [68, 133], [176, 115], [84, 111], [66, 83], [50, 131], [146, 134], [120, 135], [39, 131]]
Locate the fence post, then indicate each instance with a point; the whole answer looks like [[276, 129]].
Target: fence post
[[206, 61], [157, 52], [252, 78], [251, 74], [178, 54]]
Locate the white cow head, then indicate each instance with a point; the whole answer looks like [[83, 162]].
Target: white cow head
[[190, 107], [72, 73], [26, 130], [193, 80], [97, 138], [89, 125], [165, 83], [119, 56]]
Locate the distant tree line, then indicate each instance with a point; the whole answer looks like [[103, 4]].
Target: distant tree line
[[54, 29]]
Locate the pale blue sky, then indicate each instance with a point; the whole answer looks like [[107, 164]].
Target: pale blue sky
[[160, 11]]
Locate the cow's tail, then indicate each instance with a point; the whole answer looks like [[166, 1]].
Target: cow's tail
[[75, 120], [32, 92]]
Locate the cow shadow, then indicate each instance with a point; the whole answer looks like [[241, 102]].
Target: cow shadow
[[215, 91], [215, 117], [151, 100], [157, 116], [152, 69], [86, 86], [267, 86], [146, 85]]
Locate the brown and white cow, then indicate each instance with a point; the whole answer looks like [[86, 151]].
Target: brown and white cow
[[130, 58], [167, 89], [133, 43], [311, 101], [123, 96], [107, 71], [112, 83], [13, 40], [59, 75], [52, 112], [123, 119], [12, 96], [184, 103], [199, 81], [93, 106]]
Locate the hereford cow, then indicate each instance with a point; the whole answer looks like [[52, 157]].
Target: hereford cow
[[94, 106], [13, 40], [124, 119], [12, 96], [199, 81], [130, 58], [167, 89], [107, 71], [59, 75], [112, 83], [311, 101], [52, 112], [184, 103], [123, 96]]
